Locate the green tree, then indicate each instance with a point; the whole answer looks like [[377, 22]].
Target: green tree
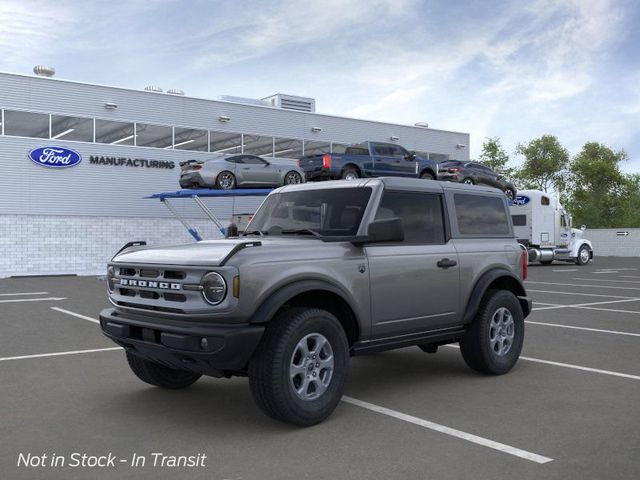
[[599, 193], [545, 164], [495, 157]]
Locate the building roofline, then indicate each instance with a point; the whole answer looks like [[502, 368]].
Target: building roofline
[[228, 102]]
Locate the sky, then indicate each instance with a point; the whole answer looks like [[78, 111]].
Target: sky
[[509, 69]]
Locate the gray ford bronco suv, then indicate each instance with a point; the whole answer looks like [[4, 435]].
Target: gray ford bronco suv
[[325, 271]]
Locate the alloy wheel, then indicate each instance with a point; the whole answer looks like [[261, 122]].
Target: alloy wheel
[[501, 331], [311, 367]]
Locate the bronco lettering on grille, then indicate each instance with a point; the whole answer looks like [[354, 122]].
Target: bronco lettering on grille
[[147, 284]]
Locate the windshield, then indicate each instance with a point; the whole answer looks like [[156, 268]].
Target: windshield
[[324, 212]]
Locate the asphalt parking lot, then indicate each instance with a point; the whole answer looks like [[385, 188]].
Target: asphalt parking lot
[[569, 410]]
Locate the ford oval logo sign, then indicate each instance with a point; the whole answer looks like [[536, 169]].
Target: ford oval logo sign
[[55, 157], [520, 200]]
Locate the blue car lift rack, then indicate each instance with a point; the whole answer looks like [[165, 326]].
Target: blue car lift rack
[[197, 195]]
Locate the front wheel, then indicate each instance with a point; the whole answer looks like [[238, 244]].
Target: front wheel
[[584, 255], [493, 341], [298, 373], [427, 176], [292, 178], [468, 181], [159, 375], [225, 180]]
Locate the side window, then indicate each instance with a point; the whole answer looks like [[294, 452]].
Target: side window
[[421, 215], [481, 215], [398, 151], [382, 149], [544, 201], [234, 159], [253, 160], [519, 220]]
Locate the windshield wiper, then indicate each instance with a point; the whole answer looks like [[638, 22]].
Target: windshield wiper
[[302, 231]]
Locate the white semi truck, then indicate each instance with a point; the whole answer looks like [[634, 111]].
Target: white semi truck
[[544, 227]]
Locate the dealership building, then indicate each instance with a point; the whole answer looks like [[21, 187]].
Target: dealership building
[[127, 144]]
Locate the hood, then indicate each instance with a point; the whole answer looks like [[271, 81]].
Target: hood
[[208, 252]]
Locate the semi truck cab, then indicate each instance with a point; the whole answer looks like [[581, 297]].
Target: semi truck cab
[[544, 227]]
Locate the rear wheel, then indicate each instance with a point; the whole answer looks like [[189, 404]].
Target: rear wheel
[[299, 370], [292, 178], [159, 375], [225, 180], [427, 176], [493, 341], [584, 255], [350, 173], [469, 181]]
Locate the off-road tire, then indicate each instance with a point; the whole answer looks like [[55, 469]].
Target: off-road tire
[[350, 173], [510, 193], [269, 368], [427, 176], [476, 345], [159, 375], [579, 260]]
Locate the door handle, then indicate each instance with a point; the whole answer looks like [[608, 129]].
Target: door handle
[[446, 263]]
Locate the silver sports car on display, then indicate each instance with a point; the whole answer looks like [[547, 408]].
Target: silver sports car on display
[[240, 170]]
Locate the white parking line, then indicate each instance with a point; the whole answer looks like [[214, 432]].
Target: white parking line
[[572, 366], [579, 294], [48, 299], [567, 270], [22, 293], [62, 310], [586, 305], [485, 442], [597, 330], [57, 354], [586, 286], [629, 276], [611, 310], [612, 281]]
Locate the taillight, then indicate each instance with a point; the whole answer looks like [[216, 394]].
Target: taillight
[[196, 167], [525, 263], [454, 170], [298, 162], [326, 161]]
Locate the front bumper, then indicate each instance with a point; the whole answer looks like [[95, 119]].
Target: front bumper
[[180, 345], [449, 177]]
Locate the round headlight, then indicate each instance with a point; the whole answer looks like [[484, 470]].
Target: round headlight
[[111, 272], [214, 288]]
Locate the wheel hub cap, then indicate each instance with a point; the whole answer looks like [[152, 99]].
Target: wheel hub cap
[[311, 366], [501, 331]]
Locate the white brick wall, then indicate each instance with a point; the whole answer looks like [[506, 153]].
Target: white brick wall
[[607, 242], [46, 245]]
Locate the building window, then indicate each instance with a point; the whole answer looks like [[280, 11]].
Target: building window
[[157, 136], [287, 148], [26, 124], [71, 128], [316, 148], [115, 133], [190, 139], [257, 145], [225, 143]]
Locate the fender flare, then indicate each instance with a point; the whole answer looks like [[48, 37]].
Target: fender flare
[[279, 297], [576, 247], [481, 287]]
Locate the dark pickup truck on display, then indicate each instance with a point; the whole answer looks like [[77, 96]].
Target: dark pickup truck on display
[[323, 272], [368, 159]]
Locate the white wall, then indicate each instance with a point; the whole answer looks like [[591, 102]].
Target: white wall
[[607, 242]]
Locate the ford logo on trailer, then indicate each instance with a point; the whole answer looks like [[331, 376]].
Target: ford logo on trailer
[[55, 157], [520, 200]]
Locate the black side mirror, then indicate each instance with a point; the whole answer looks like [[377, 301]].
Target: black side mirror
[[384, 230], [411, 156]]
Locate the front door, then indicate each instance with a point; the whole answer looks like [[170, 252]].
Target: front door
[[414, 283]]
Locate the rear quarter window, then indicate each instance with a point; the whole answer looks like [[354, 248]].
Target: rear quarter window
[[481, 215]]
